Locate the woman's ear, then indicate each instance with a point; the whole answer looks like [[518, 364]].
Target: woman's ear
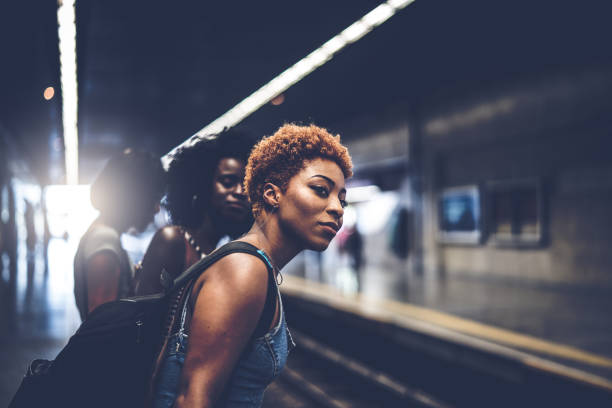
[[271, 195]]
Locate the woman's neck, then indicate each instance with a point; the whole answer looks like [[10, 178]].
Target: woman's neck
[[205, 235], [266, 234]]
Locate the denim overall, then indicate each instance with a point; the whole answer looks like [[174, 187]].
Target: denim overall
[[259, 364]]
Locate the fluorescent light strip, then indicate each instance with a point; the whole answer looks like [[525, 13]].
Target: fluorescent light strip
[[68, 78], [298, 71]]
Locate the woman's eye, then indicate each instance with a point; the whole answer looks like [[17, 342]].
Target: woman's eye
[[228, 181], [322, 191], [343, 203]]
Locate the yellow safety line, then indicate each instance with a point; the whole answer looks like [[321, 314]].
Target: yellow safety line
[[362, 304]]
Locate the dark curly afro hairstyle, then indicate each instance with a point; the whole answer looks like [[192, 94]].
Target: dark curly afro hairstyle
[[277, 158], [191, 172]]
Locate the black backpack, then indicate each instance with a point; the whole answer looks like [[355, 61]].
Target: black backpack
[[108, 362]]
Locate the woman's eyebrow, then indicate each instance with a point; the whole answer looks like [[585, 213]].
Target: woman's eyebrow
[[326, 178]]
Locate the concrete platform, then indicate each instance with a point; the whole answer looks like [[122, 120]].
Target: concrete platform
[[568, 324]]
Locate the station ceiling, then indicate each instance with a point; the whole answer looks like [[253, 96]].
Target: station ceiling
[[152, 73]]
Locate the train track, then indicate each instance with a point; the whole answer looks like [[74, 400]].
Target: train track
[[319, 376]]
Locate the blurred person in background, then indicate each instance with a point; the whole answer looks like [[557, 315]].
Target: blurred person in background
[[127, 193], [234, 340], [207, 206], [29, 222]]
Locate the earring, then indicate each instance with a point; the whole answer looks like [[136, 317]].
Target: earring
[[194, 200]]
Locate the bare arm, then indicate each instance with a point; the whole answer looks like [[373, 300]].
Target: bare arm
[[230, 298], [166, 251], [102, 279]]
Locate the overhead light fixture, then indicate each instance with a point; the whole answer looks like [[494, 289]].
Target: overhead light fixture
[[68, 77], [296, 72], [48, 93], [278, 100]]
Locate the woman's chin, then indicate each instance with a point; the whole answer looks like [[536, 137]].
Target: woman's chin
[[319, 246]]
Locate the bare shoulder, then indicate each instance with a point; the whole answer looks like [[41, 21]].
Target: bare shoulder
[[246, 274], [166, 251], [169, 235], [167, 241]]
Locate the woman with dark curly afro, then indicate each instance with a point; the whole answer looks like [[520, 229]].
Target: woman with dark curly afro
[[206, 202], [235, 340]]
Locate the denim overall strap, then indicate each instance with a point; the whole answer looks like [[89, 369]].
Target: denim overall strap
[[291, 342]]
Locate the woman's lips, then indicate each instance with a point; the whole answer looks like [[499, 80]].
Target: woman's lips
[[329, 229], [237, 206]]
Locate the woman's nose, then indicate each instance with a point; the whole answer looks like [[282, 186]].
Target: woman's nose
[[239, 189], [336, 208]]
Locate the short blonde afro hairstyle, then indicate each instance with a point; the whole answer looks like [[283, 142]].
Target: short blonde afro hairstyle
[[277, 158]]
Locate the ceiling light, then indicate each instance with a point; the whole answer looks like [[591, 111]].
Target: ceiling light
[[68, 71], [278, 100], [296, 72], [48, 93]]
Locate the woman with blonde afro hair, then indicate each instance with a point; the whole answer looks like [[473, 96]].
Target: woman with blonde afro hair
[[238, 337]]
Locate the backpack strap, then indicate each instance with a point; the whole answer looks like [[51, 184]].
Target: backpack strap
[[186, 280], [196, 269], [236, 246]]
